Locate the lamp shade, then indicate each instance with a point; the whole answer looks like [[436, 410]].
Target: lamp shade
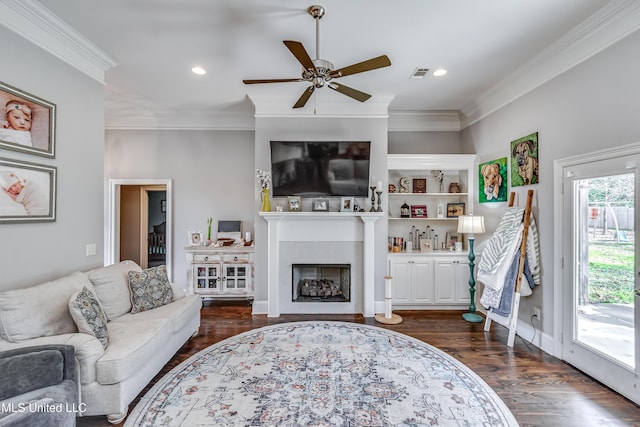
[[470, 224]]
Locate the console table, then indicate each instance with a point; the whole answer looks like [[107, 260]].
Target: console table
[[220, 272]]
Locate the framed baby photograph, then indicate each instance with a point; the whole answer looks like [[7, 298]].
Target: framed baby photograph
[[346, 204], [27, 192], [27, 123]]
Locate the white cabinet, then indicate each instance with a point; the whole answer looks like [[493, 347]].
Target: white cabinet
[[427, 181], [225, 272], [431, 280], [412, 280], [451, 276]]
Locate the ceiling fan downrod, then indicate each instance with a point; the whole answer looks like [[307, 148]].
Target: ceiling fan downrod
[[317, 12]]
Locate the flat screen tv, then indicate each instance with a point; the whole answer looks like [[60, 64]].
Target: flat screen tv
[[320, 168]]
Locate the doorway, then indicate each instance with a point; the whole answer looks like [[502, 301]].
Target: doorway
[[140, 222], [600, 295]]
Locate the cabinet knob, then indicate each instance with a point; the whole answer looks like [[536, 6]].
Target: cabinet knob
[[235, 258], [206, 258]]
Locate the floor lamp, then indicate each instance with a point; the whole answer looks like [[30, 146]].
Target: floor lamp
[[469, 224]]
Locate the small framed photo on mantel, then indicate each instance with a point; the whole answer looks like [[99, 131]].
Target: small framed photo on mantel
[[294, 204], [320, 205], [346, 204]]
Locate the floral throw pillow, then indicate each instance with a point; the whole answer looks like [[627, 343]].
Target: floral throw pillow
[[150, 288], [89, 316]]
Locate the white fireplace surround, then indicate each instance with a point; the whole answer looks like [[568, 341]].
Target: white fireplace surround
[[320, 227]]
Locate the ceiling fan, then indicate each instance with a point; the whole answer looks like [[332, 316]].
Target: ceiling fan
[[320, 71]]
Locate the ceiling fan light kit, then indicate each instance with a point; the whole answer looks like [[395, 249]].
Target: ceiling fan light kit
[[320, 71]]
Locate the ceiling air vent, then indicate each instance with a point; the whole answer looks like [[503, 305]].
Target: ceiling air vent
[[419, 73]]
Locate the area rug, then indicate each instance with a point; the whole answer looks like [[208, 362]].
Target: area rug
[[321, 374]]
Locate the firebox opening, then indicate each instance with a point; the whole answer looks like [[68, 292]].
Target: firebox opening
[[321, 282]]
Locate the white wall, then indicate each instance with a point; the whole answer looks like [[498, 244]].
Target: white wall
[[212, 171], [424, 142], [320, 129], [591, 107], [32, 253]]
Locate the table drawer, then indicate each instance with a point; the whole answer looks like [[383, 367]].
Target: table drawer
[[235, 258], [206, 258]]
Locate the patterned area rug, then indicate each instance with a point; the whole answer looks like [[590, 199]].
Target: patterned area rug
[[321, 374]]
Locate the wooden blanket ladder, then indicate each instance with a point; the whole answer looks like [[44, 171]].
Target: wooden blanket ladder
[[511, 320]]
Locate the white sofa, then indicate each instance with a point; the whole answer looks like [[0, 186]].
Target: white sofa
[[139, 345]]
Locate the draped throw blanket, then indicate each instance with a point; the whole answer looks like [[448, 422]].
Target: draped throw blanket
[[498, 266]]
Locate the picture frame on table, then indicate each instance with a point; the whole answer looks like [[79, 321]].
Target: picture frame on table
[[294, 204], [453, 237], [28, 192], [455, 210], [195, 238], [320, 205], [27, 122], [346, 204]]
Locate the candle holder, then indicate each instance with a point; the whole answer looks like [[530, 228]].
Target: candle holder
[[373, 199], [379, 209]]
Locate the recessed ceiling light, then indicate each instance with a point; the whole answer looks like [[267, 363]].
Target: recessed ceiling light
[[440, 72], [199, 70]]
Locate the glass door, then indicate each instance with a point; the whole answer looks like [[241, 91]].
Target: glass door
[[602, 293]]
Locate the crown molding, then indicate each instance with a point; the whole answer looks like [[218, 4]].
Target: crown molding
[[612, 23], [137, 119], [40, 26], [430, 121]]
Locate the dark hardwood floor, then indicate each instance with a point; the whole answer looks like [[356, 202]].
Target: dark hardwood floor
[[539, 389]]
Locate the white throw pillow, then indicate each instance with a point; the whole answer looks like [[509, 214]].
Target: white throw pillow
[[40, 311], [112, 287], [89, 316]]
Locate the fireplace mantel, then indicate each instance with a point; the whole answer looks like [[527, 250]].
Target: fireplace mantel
[[320, 226]]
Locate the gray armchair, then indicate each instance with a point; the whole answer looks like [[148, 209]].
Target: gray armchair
[[38, 386]]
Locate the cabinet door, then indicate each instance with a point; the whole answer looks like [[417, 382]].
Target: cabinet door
[[206, 278], [462, 282], [401, 284], [422, 281], [445, 279], [237, 277]]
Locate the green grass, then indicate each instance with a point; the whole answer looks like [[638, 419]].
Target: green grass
[[611, 272]]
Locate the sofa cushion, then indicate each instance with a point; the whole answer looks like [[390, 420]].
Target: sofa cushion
[[131, 346], [112, 287], [89, 316], [180, 312], [149, 289], [41, 310]]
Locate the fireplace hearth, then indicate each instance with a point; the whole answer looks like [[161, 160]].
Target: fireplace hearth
[[321, 282]]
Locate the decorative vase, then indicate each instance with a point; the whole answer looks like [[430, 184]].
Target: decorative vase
[[266, 204]]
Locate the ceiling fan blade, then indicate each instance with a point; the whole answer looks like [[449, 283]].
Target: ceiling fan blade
[[301, 55], [346, 90], [360, 67], [250, 82], [305, 97]]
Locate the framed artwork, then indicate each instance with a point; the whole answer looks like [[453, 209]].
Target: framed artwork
[[426, 245], [419, 185], [27, 123], [320, 205], [27, 192], [493, 181], [418, 211], [195, 238], [346, 204], [163, 206], [524, 161], [452, 239], [455, 210], [294, 204]]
